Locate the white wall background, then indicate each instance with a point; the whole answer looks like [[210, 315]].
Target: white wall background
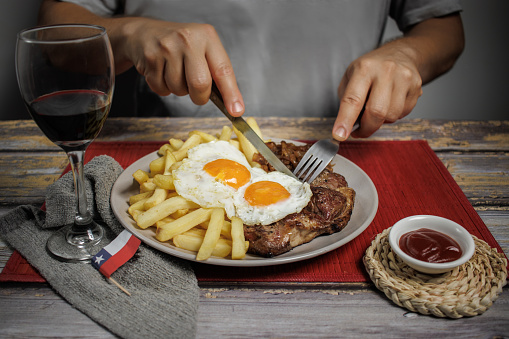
[[477, 88]]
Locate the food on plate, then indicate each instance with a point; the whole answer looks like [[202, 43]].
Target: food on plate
[[216, 196], [216, 174], [180, 220], [212, 173], [239, 243], [269, 198], [328, 211]]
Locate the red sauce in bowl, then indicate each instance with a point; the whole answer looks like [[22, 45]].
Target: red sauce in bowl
[[429, 245]]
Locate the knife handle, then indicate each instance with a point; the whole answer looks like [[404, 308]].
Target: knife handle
[[217, 99]]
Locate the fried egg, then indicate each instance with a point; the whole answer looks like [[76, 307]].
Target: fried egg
[[212, 173], [270, 197]]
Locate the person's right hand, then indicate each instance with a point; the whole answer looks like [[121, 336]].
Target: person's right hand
[[180, 59]]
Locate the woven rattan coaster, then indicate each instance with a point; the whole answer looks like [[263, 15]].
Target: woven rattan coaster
[[466, 291]]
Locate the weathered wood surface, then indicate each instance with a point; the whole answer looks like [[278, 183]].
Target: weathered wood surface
[[475, 153], [441, 134], [240, 312]]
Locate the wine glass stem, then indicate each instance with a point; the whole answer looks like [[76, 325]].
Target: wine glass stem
[[83, 215]]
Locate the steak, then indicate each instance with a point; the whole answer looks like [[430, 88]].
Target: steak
[[328, 211]]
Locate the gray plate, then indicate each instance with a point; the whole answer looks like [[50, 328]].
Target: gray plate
[[365, 208]]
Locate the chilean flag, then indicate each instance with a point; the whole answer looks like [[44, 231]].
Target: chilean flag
[[116, 253]]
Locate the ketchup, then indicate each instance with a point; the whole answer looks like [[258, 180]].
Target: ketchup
[[429, 245]]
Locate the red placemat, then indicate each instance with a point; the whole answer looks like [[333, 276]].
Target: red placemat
[[409, 177]]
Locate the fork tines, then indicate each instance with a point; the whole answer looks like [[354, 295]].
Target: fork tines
[[309, 168], [316, 159]]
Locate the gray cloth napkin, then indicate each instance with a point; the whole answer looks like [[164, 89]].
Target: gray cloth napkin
[[164, 290]]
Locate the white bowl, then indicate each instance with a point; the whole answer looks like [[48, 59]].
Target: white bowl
[[446, 226]]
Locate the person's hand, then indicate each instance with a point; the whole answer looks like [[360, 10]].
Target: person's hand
[[181, 59], [385, 83]]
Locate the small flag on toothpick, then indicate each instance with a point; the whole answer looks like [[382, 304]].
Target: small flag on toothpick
[[115, 254]]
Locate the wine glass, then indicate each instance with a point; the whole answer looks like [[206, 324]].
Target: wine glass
[[66, 78]]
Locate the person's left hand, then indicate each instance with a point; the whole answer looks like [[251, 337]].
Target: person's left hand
[[385, 83]]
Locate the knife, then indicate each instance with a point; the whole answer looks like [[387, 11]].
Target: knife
[[249, 133]]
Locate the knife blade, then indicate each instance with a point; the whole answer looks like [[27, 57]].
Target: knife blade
[[249, 133]]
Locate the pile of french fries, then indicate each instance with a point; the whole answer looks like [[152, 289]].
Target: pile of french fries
[[207, 231]]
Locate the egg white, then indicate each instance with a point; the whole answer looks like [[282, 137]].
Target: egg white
[[193, 183], [300, 194]]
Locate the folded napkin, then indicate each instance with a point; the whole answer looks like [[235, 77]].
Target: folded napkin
[[164, 290]]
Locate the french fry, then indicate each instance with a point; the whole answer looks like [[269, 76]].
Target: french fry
[[169, 161], [138, 206], [205, 137], [163, 221], [226, 133], [196, 232], [176, 143], [147, 186], [137, 197], [245, 146], [238, 241], [157, 166], [191, 142], [135, 214], [172, 194], [140, 176], [168, 231], [162, 150], [235, 143], [164, 209], [193, 243], [175, 165], [212, 235], [254, 125], [164, 181], [158, 197], [226, 229], [179, 213]]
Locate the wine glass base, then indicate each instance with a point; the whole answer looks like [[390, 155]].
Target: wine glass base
[[68, 245]]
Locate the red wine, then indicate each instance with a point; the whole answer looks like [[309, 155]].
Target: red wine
[[72, 118]]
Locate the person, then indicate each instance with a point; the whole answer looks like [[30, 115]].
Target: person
[[289, 57]]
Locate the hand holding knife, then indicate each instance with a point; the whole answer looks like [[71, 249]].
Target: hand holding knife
[[249, 133]]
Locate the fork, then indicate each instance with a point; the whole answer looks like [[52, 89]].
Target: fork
[[319, 156], [316, 159]]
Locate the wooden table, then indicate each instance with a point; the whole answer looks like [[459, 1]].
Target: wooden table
[[475, 152]]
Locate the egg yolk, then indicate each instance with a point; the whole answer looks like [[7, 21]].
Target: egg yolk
[[265, 193], [229, 172]]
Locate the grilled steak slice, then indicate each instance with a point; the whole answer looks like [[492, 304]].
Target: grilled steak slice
[[289, 154], [328, 211]]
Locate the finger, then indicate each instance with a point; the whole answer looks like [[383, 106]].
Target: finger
[[222, 73], [198, 78], [353, 93], [377, 108], [411, 99], [410, 103], [154, 76], [407, 89], [174, 74], [399, 98]]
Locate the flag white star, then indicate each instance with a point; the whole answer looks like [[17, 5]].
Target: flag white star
[[99, 259]]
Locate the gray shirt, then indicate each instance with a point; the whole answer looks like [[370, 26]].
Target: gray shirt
[[288, 55]]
